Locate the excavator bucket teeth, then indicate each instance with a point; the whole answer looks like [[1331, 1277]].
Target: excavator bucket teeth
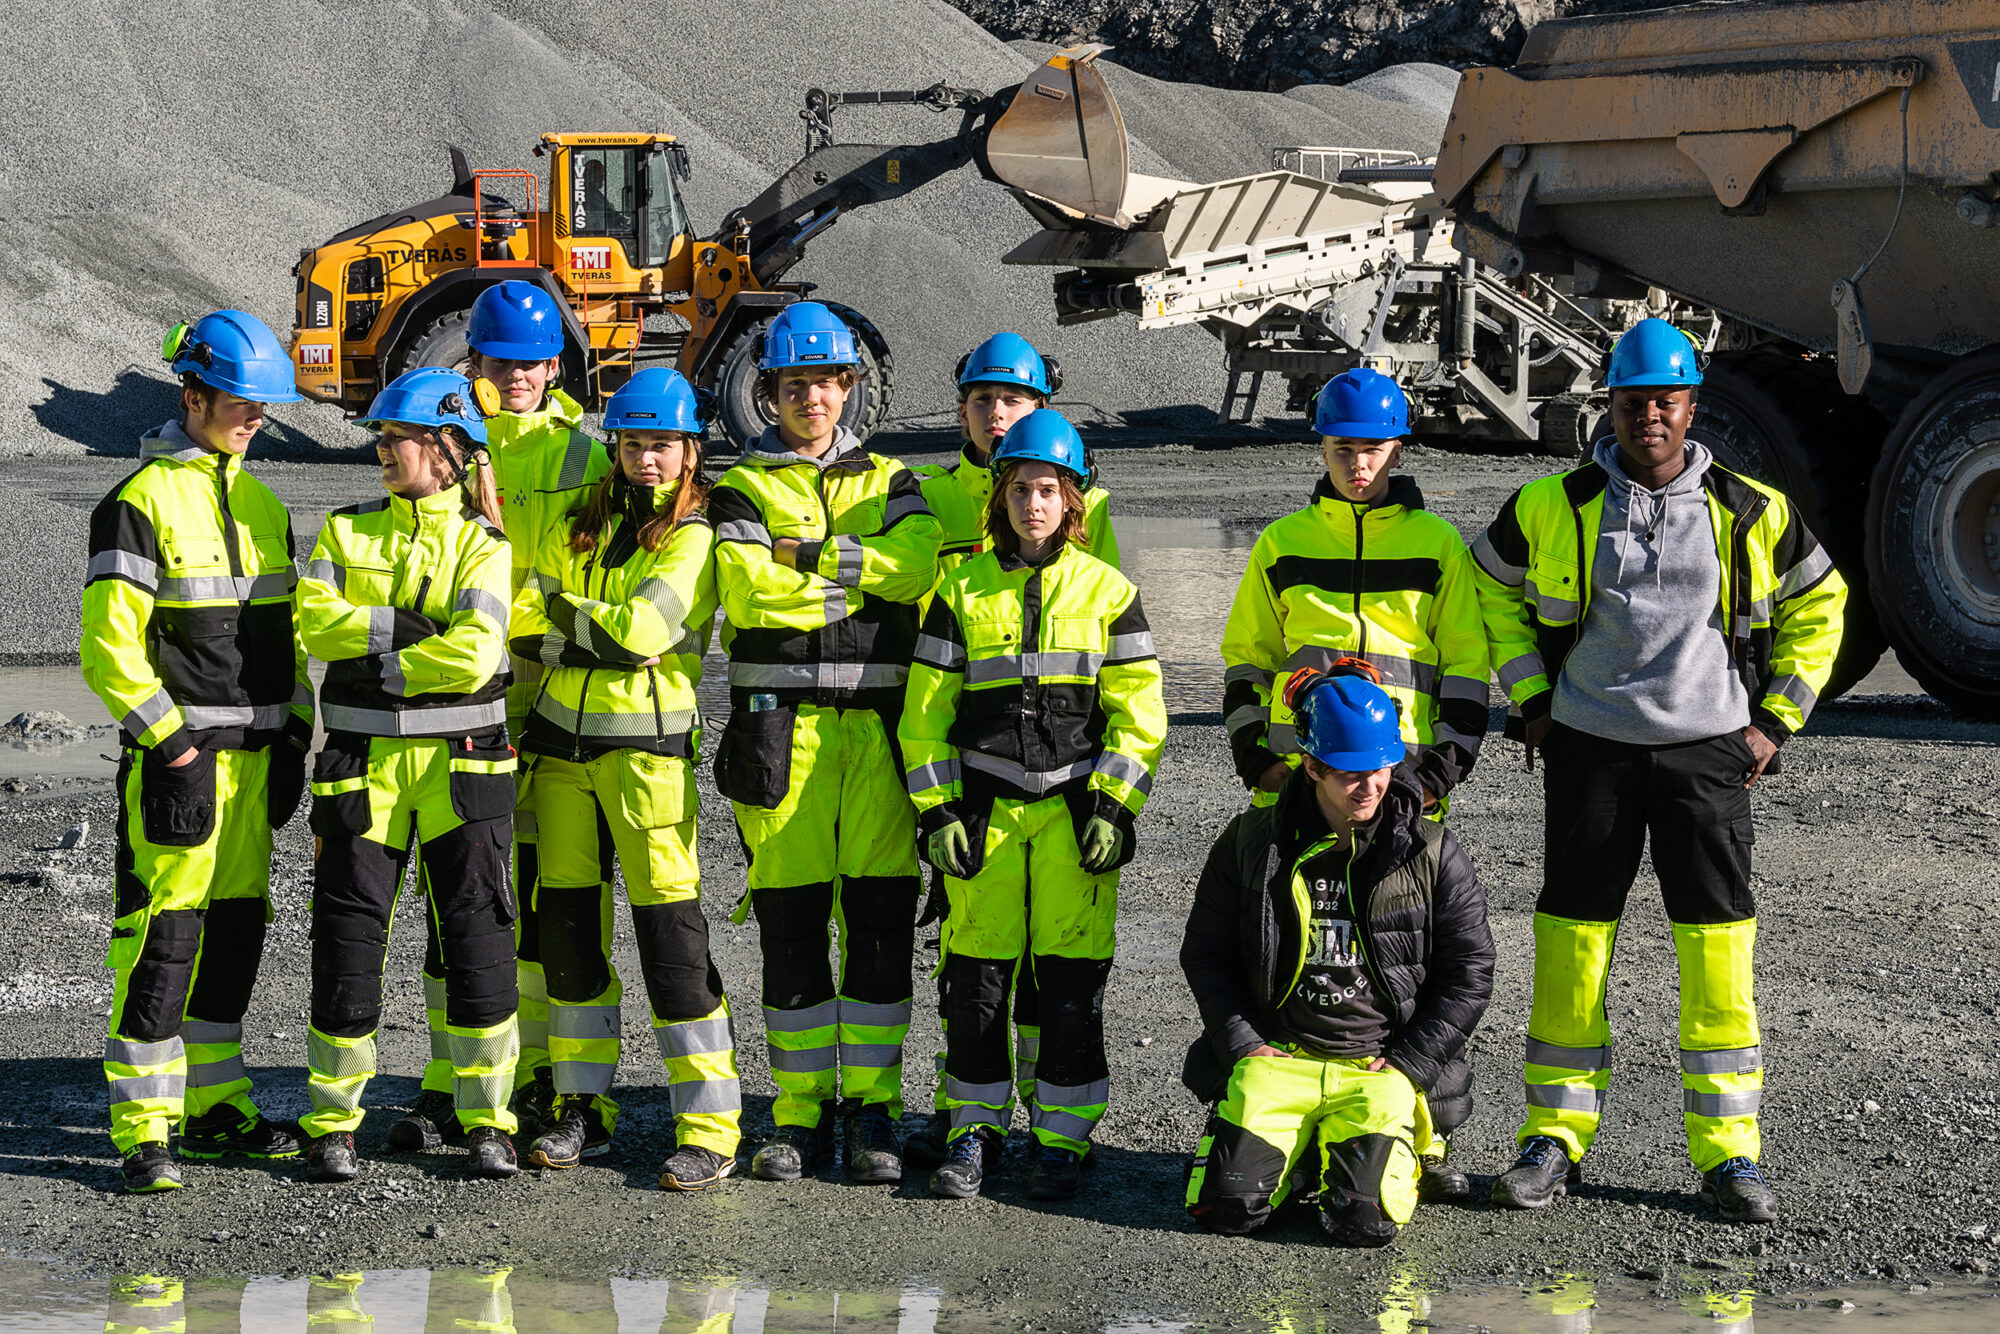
[[1063, 138]]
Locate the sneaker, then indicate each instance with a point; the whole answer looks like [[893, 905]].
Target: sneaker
[[1441, 1183], [225, 1130], [332, 1157], [872, 1154], [1542, 1172], [931, 1145], [1738, 1192], [149, 1168], [1352, 1222], [429, 1125], [492, 1154], [695, 1168], [534, 1103], [973, 1157], [578, 1133], [794, 1151], [1058, 1174]]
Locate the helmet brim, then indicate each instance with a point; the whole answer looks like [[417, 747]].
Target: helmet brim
[[1358, 430], [1655, 382], [517, 351], [1362, 761]]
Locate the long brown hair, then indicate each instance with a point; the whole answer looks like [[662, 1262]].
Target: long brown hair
[[587, 520], [999, 528]]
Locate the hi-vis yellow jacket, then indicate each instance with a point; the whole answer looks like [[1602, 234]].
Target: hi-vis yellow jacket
[[1388, 582], [187, 605], [590, 618], [837, 631], [1781, 597], [406, 603], [1030, 682], [957, 495]]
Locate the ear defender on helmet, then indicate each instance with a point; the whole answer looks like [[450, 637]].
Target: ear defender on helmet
[[1344, 718]]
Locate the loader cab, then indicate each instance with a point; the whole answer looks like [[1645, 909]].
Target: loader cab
[[616, 203]]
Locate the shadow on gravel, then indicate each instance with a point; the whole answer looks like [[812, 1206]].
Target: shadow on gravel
[[109, 424], [1900, 718]]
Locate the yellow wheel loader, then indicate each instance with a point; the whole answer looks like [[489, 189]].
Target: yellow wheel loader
[[611, 239]]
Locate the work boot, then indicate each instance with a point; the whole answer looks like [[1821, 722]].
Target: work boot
[[1058, 1174], [225, 1130], [694, 1168], [1354, 1222], [332, 1157], [931, 1145], [1739, 1192], [491, 1152], [534, 1103], [150, 1168], [973, 1157], [873, 1157], [1542, 1172], [429, 1125], [1441, 1183], [577, 1133], [794, 1151]]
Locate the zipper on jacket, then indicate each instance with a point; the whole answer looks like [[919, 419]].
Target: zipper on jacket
[[1360, 541], [229, 539], [659, 722]]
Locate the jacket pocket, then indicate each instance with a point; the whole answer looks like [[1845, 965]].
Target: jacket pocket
[[753, 766], [654, 791], [340, 788], [177, 805], [482, 781]]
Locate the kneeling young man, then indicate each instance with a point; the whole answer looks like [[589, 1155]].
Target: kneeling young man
[[1339, 952]]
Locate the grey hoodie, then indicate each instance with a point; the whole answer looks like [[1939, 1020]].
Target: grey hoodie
[[1652, 666]]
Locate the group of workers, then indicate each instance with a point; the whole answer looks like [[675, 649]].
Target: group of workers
[[941, 667]]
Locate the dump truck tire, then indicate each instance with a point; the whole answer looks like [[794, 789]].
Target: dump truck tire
[[1786, 423], [439, 343], [743, 416], [1934, 536]]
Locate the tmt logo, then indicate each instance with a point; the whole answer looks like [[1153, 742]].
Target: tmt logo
[[316, 354], [589, 257]]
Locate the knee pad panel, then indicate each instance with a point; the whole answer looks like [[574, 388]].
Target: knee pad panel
[[1072, 1015], [976, 1046], [792, 923], [681, 979], [156, 990], [232, 945], [572, 929], [879, 913]]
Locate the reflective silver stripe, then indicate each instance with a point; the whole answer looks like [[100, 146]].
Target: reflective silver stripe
[[940, 653], [1396, 672], [817, 675], [1094, 1094], [697, 1037], [1012, 772], [224, 588], [813, 1017], [471, 1050], [1567, 1098], [1490, 561], [705, 1097], [393, 680], [1462, 687], [483, 1093], [1760, 614], [302, 697], [861, 1014], [1796, 689], [213, 1074], [1113, 764], [1284, 741], [1744, 1103], [1070, 1125], [1130, 648], [676, 722], [134, 1088], [847, 566], [583, 1076], [1311, 655], [902, 507], [328, 572], [968, 1114], [871, 1055], [1803, 575], [1250, 715], [665, 601], [833, 605], [336, 1061], [576, 462], [124, 1051], [413, 722], [1027, 1043], [381, 629], [994, 1095], [147, 712], [811, 1061], [1243, 671], [935, 774], [1031, 666], [743, 530], [124, 565], [1732, 1061], [1567, 1058], [1550, 607], [1516, 670], [434, 999], [200, 716], [201, 1031], [582, 1023], [547, 585], [483, 602], [550, 652]]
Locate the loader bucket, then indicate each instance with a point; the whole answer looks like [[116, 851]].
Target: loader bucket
[[1063, 138]]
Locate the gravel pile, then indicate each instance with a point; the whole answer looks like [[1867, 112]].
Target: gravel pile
[[167, 174]]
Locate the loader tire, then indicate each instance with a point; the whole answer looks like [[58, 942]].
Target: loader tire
[[742, 415], [439, 343], [1784, 422]]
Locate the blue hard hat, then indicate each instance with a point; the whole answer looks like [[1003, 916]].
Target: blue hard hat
[[1362, 404], [1045, 436], [236, 353], [1346, 722], [807, 334], [428, 396], [516, 320], [1008, 358], [1653, 353], [658, 398]]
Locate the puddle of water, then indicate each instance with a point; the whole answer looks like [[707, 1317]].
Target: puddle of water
[[503, 1301], [61, 689]]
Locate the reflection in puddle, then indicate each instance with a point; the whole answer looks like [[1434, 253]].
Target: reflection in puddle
[[502, 1301]]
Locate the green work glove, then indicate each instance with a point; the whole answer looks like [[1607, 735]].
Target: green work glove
[[1101, 842], [950, 850]]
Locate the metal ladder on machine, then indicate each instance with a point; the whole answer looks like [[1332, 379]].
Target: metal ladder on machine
[[1239, 403]]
